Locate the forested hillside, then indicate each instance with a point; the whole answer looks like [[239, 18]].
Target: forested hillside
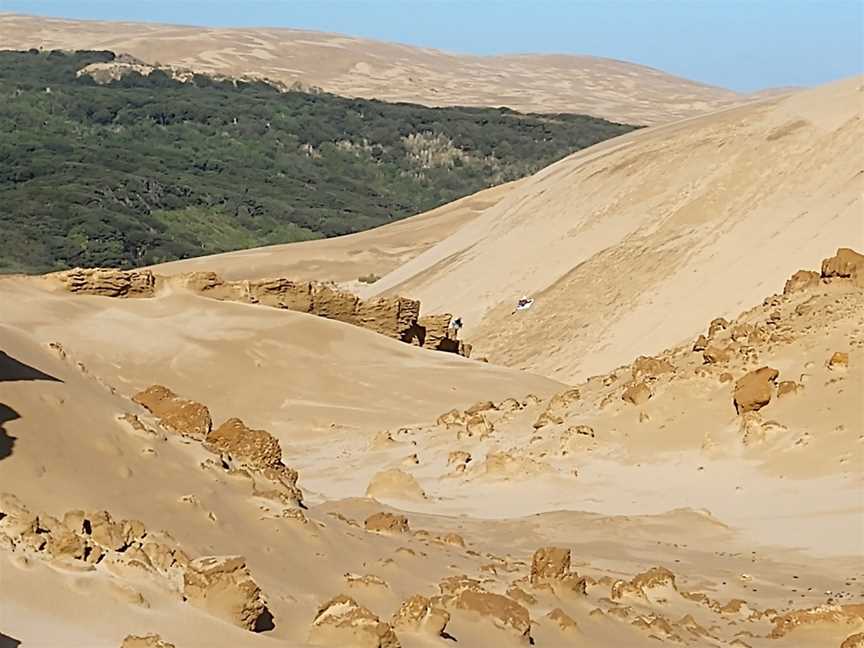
[[147, 168]]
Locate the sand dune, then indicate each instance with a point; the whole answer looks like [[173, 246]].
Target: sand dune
[[629, 246], [346, 258], [227, 474], [344, 65], [643, 470]]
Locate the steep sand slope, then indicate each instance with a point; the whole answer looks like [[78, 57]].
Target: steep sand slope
[[283, 371], [345, 258], [781, 473], [631, 245], [349, 66]]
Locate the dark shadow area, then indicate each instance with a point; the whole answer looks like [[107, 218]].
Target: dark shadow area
[[264, 623], [7, 441], [8, 642], [12, 369]]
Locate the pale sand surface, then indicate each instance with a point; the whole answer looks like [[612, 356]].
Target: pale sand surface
[[765, 508], [632, 245], [616, 90]]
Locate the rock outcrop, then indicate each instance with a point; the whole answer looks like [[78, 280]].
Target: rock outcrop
[[394, 483], [420, 614], [395, 317], [551, 566], [241, 449], [342, 622], [383, 522], [847, 263], [549, 563], [107, 282], [185, 417], [658, 583], [503, 612], [838, 361], [754, 390], [801, 280], [223, 586]]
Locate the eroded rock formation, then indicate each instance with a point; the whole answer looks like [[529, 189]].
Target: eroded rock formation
[[256, 453], [754, 390], [222, 585], [107, 282], [342, 621]]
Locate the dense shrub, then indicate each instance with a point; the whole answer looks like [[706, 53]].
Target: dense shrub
[[148, 169]]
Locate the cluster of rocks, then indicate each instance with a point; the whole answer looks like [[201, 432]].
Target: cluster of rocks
[[342, 621], [242, 450], [220, 585]]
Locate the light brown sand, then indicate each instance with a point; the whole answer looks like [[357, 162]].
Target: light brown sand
[[632, 245], [766, 509], [616, 90]]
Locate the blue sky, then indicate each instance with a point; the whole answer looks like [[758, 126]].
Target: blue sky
[[739, 44]]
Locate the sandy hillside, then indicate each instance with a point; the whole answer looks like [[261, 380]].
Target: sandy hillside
[[630, 245], [346, 258], [634, 507], [616, 90]]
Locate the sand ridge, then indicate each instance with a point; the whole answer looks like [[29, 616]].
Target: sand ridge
[[698, 218], [616, 90]]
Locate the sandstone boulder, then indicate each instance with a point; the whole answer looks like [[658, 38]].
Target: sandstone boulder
[[223, 586], [250, 448], [656, 584], [649, 367], [279, 293], [394, 483], [503, 612], [331, 302], [342, 622], [637, 393], [108, 282], [847, 263], [391, 316], [754, 390], [434, 332], [801, 280], [419, 614], [185, 417], [853, 641], [838, 361], [549, 563], [717, 324], [383, 522]]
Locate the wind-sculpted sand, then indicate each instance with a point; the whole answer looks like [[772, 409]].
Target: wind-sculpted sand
[[617, 90], [665, 448]]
